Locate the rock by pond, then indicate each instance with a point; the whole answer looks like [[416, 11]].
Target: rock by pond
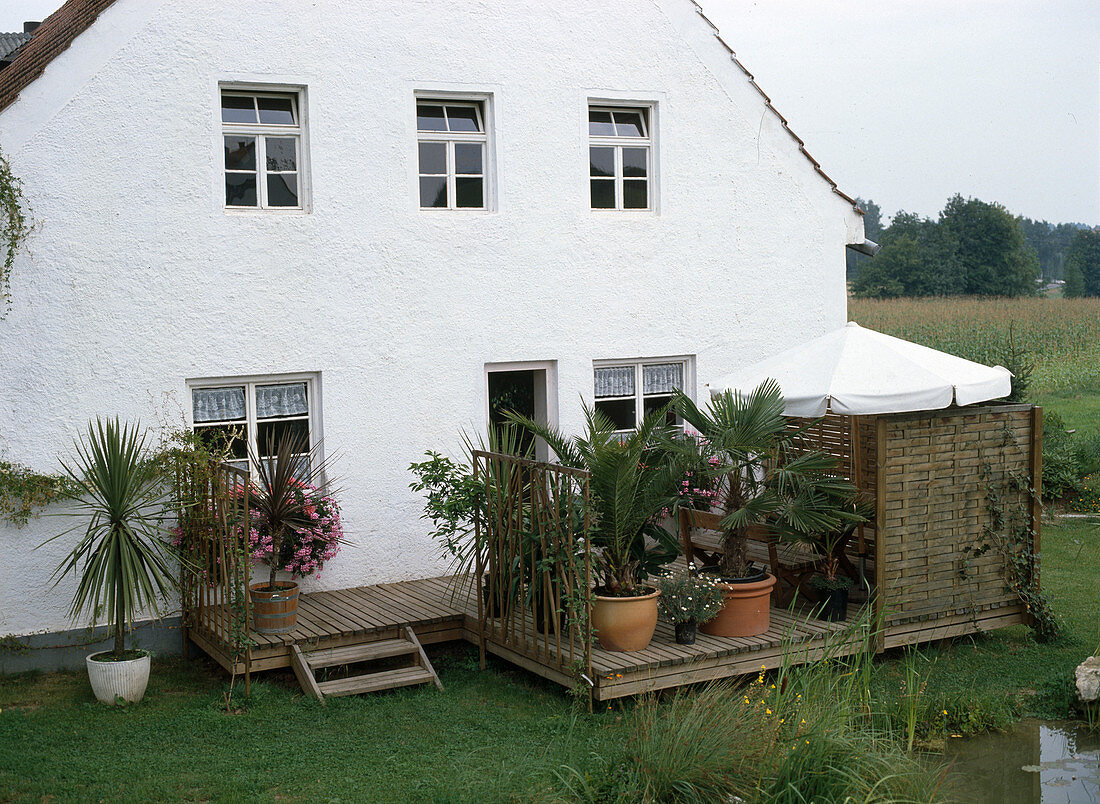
[[1034, 763]]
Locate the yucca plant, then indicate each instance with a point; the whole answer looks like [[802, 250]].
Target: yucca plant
[[746, 446], [632, 478], [289, 464], [124, 564]]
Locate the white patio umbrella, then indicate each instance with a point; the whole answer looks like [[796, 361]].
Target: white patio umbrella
[[856, 371]]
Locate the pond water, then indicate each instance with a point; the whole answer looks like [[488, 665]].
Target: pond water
[[1052, 763]]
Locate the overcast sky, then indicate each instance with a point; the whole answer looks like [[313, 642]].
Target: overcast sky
[[910, 101]]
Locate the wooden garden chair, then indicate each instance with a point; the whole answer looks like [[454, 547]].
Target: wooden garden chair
[[792, 563]]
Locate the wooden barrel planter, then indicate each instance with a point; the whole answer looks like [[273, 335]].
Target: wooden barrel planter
[[274, 612]]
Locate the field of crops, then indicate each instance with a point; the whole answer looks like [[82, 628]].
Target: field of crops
[[1062, 335]]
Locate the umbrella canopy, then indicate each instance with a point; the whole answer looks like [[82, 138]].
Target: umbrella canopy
[[856, 371]]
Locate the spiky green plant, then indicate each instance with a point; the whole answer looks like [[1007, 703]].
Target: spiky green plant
[[125, 566], [746, 445], [632, 478], [288, 463]]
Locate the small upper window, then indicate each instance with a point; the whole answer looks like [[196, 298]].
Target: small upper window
[[451, 142], [619, 157], [262, 133]]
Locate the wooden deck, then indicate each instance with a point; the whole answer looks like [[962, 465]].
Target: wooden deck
[[370, 613]]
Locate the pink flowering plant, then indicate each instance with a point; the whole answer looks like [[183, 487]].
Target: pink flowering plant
[[308, 543]]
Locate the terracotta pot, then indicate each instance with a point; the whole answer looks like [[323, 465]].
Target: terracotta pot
[[274, 612], [625, 623], [747, 611]]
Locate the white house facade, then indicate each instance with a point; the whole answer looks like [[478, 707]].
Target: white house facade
[[348, 218]]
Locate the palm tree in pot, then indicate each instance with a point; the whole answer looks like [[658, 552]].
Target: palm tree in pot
[[767, 484], [632, 478], [124, 564]]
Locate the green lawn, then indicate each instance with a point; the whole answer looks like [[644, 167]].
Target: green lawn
[[493, 736], [1080, 410]]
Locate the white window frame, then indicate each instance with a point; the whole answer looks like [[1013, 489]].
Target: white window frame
[[261, 131], [481, 105], [313, 394], [648, 142], [687, 361]]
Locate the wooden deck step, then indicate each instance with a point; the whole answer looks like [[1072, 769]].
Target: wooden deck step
[[374, 682], [305, 665], [364, 652]]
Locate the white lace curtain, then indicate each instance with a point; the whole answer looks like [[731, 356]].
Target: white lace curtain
[[281, 400], [662, 378], [218, 404]]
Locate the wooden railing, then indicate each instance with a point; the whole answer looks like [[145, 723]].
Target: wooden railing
[[534, 567], [213, 521]]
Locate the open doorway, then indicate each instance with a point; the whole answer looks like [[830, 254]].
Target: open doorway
[[528, 389]]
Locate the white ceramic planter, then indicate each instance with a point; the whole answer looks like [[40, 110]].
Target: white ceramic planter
[[112, 680]]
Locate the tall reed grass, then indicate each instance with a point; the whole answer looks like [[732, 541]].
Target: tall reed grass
[[808, 732]]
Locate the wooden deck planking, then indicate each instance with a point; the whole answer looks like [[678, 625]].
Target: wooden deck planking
[[332, 619]]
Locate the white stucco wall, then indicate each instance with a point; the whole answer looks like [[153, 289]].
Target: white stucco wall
[[136, 279]]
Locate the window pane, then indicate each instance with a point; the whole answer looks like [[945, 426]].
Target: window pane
[[468, 158], [652, 403], [430, 118], [284, 399], [634, 161], [603, 194], [601, 161], [433, 191], [276, 111], [240, 153], [218, 404], [240, 189], [620, 411], [662, 378], [463, 118], [224, 437], [599, 124], [268, 434], [433, 157], [282, 190], [635, 194], [629, 124], [238, 109], [281, 153], [613, 381], [468, 192]]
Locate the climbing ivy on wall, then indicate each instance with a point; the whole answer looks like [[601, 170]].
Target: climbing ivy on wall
[[23, 492], [15, 226]]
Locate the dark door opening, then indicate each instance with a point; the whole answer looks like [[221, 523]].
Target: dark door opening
[[513, 391]]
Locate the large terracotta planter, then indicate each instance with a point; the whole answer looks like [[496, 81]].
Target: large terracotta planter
[[747, 611], [274, 612], [625, 623]]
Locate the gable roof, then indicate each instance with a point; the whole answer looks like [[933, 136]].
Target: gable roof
[[58, 31], [50, 39], [11, 42]]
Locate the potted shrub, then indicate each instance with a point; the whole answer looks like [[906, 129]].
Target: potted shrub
[[688, 599], [295, 527], [122, 561], [767, 485], [632, 479], [833, 585]]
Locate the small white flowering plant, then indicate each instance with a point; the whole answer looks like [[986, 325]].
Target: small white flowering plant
[[686, 596]]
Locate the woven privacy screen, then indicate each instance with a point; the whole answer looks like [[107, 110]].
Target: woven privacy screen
[[662, 378], [218, 404], [615, 381], [281, 400]]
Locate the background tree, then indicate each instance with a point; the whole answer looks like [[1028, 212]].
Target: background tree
[[1083, 262], [872, 230], [991, 248]]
